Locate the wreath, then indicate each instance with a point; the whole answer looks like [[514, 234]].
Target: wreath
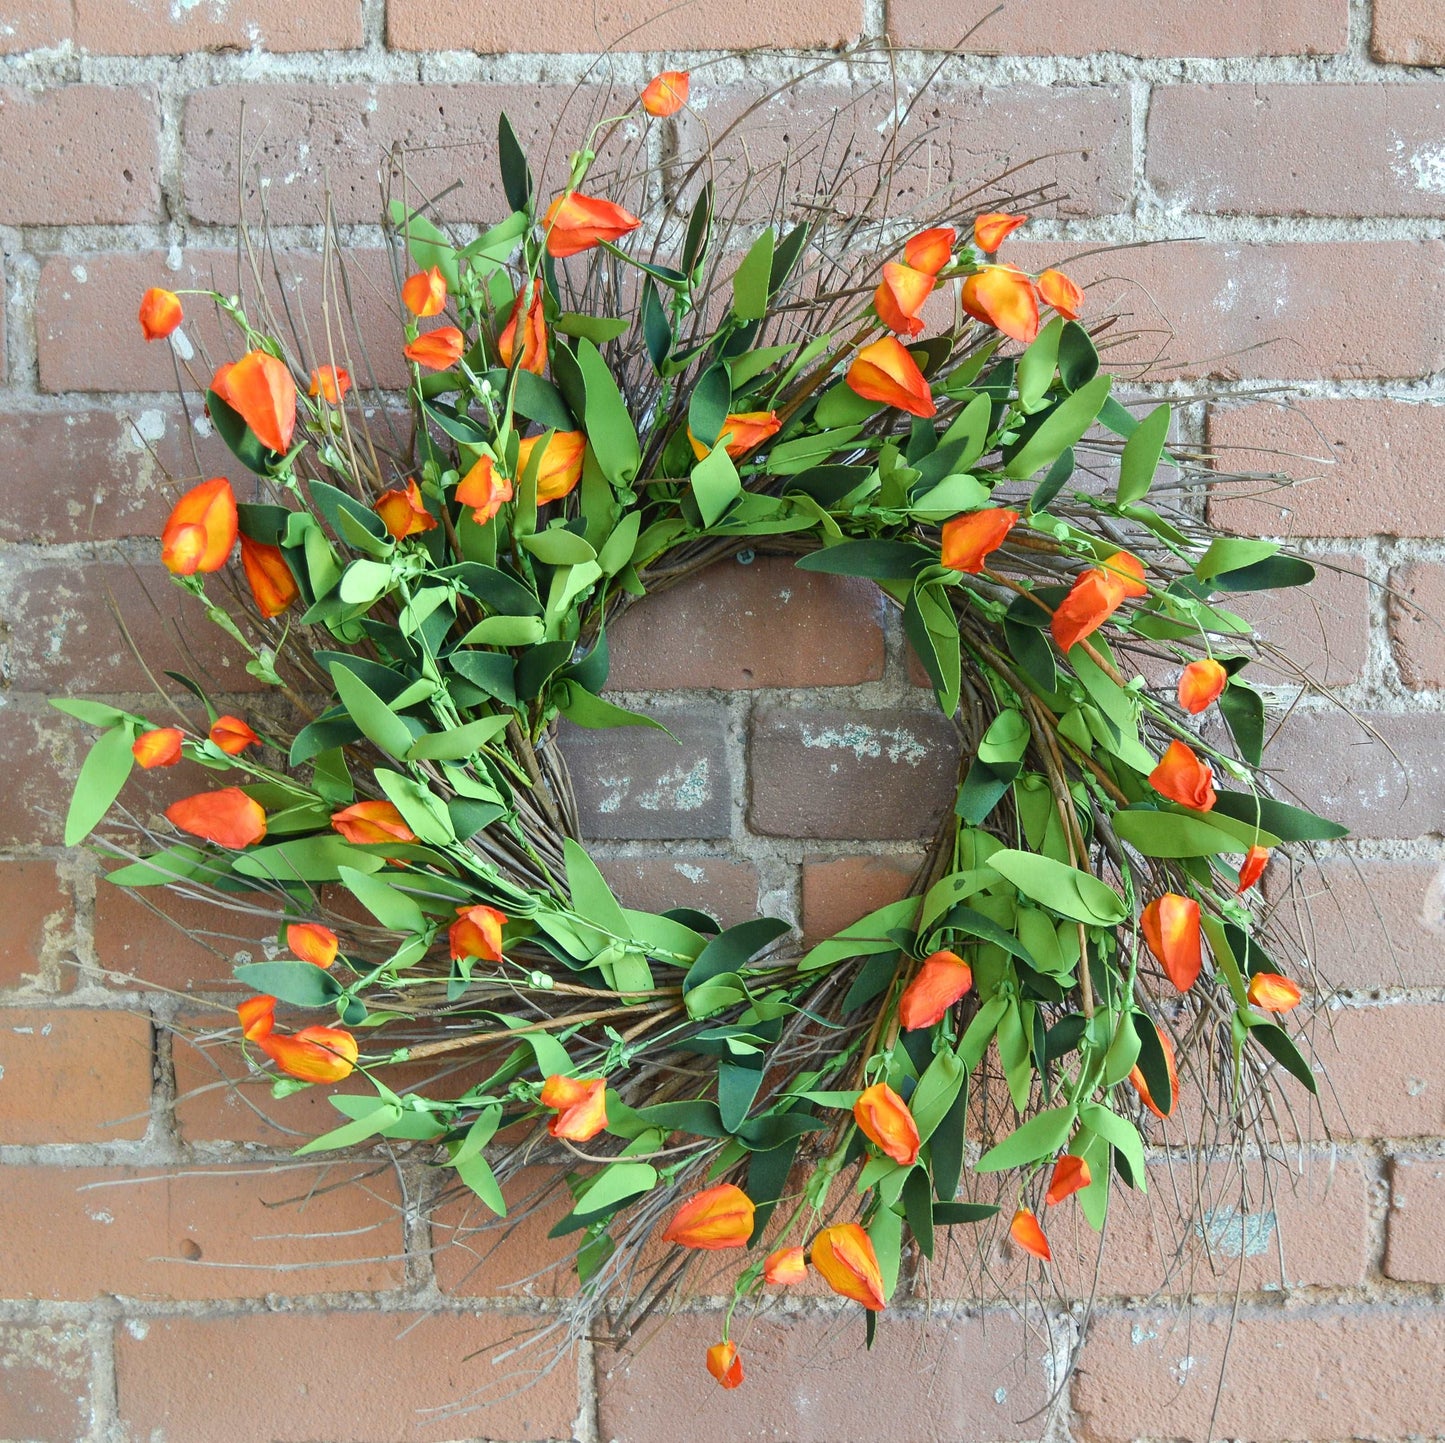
[[601, 401]]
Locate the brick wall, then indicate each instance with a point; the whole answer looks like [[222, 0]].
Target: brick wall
[[1295, 151]]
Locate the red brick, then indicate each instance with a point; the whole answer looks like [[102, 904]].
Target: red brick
[[78, 1233], [1355, 1370], [723, 889], [37, 944], [738, 627], [34, 25], [79, 155], [45, 1393], [160, 27], [1417, 623], [40, 751], [1322, 629], [1249, 149], [1408, 32], [1135, 27], [1415, 1237], [336, 1375], [73, 1076], [1382, 1070], [837, 891]]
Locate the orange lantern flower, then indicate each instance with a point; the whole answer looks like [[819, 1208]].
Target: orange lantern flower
[[741, 432], [1255, 861], [844, 1255], [1071, 1175], [884, 1119], [1026, 1232], [930, 250], [1171, 929], [159, 748], [315, 1054], [941, 981], [272, 585], [229, 818], [580, 1103], [666, 94], [785, 1268], [313, 943], [1095, 596], [884, 371], [578, 222], [232, 735], [1200, 684], [725, 1364], [900, 296], [1003, 297], [485, 490], [1136, 1077], [991, 230], [160, 313], [1183, 778], [374, 821], [1272, 993], [425, 294], [404, 513], [718, 1217], [560, 467], [969, 539], [534, 334], [201, 529], [258, 1017], [220, 382], [1058, 291], [331, 383], [477, 932], [438, 349], [260, 390]]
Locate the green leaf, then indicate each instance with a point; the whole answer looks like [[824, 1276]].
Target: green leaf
[[1277, 1042], [1063, 889], [305, 859], [393, 909], [103, 774], [512, 159], [1232, 553], [302, 984], [932, 628], [597, 329], [1141, 455], [936, 1091], [752, 279], [238, 436], [1243, 709], [592, 898], [585, 709], [950, 1214], [1290, 824], [557, 546], [610, 431], [459, 743], [1038, 1138], [615, 1184], [369, 1124], [864, 937], [707, 407], [1153, 1064], [428, 245], [1078, 360], [730, 950], [1062, 427], [1172, 834], [878, 560], [715, 484], [1037, 365], [377, 721], [1121, 1133]]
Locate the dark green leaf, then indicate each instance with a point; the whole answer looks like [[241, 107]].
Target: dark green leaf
[[1243, 708], [516, 178], [879, 560], [1290, 824], [300, 983], [1276, 1041]]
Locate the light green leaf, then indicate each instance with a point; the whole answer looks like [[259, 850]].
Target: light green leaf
[[715, 484], [1038, 1138], [377, 720], [1061, 888], [750, 283], [458, 743], [393, 909], [103, 774], [1141, 455], [1062, 428]]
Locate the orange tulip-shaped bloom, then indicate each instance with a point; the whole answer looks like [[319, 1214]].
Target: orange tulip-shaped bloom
[[201, 529], [941, 981], [844, 1255], [438, 349], [991, 230], [220, 382], [477, 932], [258, 1017], [1026, 1232], [1095, 596], [969, 539], [1171, 928], [315, 1054], [1071, 1175], [159, 748], [272, 585], [930, 250], [578, 222], [560, 467], [725, 1363], [785, 1268], [886, 372], [404, 513], [1136, 1077], [313, 943], [232, 735], [741, 432], [1200, 684], [1004, 298], [1183, 778], [373, 821], [1272, 993], [718, 1217], [1058, 291], [1255, 861], [580, 1104], [534, 334], [900, 296], [884, 1119], [666, 94], [425, 293], [260, 390], [331, 383], [229, 818], [485, 490], [1126, 572], [160, 313]]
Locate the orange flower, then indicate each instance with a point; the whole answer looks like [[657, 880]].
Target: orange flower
[[1183, 778], [884, 1119], [725, 1364], [1125, 571], [785, 1267], [666, 94], [930, 250], [376, 821], [742, 430], [1142, 1088], [229, 818], [425, 294], [560, 468], [968, 539], [845, 1257], [313, 943], [581, 1105], [438, 349], [485, 490], [258, 1017], [1095, 596], [1272, 993], [403, 512], [232, 735], [1027, 1233], [160, 313], [886, 372], [1200, 684], [160, 748], [220, 382], [717, 1217], [315, 1054], [1171, 928], [477, 932], [260, 390], [331, 383], [1004, 298], [578, 222], [201, 529], [272, 584], [1058, 291], [1255, 861], [900, 296], [534, 334], [991, 230], [1071, 1175], [941, 981]]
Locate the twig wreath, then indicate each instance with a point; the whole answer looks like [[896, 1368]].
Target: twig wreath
[[592, 416]]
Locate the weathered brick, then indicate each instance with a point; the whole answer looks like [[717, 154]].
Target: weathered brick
[[837, 891], [1382, 1072], [68, 1075], [723, 889], [1322, 629], [847, 774], [44, 1382], [765, 624], [39, 750], [1408, 32], [1417, 623], [323, 1378], [79, 155], [34, 25], [37, 940], [1415, 1237], [158, 27]]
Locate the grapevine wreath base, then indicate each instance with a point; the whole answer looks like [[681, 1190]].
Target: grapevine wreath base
[[605, 392]]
